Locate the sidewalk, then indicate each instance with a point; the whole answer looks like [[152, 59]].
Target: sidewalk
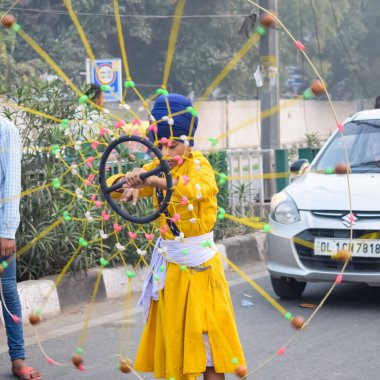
[[117, 313], [76, 290]]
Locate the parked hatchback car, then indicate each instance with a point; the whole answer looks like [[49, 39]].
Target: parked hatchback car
[[311, 218]]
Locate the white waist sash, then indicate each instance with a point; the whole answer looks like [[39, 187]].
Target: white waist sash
[[172, 251]]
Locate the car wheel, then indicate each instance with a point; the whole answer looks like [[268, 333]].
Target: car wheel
[[286, 287]]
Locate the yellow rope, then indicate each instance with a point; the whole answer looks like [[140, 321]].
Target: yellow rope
[[121, 40], [39, 237], [233, 62], [256, 286], [172, 40], [90, 308]]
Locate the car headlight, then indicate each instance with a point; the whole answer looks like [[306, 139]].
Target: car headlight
[[283, 209]]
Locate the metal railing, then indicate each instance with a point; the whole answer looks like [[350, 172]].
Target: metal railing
[[247, 183]]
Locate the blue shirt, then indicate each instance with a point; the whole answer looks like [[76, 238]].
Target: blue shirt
[[10, 178]]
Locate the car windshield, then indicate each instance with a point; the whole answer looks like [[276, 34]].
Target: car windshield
[[362, 139]]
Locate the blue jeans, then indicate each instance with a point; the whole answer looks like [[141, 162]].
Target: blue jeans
[[14, 330]]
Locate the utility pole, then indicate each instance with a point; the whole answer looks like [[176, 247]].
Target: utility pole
[[269, 98]]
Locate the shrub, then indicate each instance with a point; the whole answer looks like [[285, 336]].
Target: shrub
[[48, 253]]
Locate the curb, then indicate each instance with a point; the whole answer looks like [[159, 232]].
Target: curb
[[77, 289]]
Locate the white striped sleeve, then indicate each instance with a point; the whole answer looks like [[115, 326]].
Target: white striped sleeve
[[10, 164]]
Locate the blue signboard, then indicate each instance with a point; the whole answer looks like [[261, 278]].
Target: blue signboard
[[107, 72]]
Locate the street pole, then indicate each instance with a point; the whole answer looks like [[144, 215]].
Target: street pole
[[269, 98]]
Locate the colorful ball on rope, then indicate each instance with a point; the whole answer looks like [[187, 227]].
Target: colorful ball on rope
[[162, 91], [125, 366], [317, 87], [298, 322], [8, 21], [241, 371], [77, 360], [83, 99], [267, 20], [342, 169], [129, 84], [35, 317]]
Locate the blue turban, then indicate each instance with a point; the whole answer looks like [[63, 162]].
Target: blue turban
[[182, 122]]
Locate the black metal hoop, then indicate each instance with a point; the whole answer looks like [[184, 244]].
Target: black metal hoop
[[163, 167]]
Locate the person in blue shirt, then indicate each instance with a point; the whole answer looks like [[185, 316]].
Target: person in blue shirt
[[10, 189]]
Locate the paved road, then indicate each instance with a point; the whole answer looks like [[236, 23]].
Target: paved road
[[342, 341]]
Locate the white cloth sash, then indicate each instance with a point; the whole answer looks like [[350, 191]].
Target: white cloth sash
[[172, 251]]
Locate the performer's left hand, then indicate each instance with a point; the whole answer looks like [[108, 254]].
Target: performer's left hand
[[130, 195]]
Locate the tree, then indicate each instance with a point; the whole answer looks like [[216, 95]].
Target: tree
[[340, 37], [204, 47]]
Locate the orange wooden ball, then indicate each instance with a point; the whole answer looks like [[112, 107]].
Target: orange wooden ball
[[77, 360], [341, 168], [342, 255], [267, 20], [241, 371], [298, 322], [8, 21], [34, 319], [124, 366], [317, 87]]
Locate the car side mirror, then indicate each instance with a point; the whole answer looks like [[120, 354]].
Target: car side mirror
[[298, 167]]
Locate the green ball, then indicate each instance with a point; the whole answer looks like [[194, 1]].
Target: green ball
[[185, 251], [162, 268], [260, 30], [55, 149], [16, 27], [103, 262], [288, 315], [130, 274], [83, 99], [235, 361], [79, 350], [65, 123], [83, 242], [183, 268], [105, 87], [129, 84], [221, 216], [213, 141], [56, 183], [4, 264], [329, 170], [222, 179], [308, 94], [161, 91], [266, 227], [206, 244], [66, 216], [192, 110]]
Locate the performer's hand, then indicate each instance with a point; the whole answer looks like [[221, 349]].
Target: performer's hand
[[7, 247], [133, 180], [130, 195]]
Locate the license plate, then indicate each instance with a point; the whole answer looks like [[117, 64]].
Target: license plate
[[359, 247]]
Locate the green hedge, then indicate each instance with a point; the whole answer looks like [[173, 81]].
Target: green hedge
[[47, 254]]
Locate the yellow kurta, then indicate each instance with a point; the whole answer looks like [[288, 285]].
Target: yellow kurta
[[192, 302]]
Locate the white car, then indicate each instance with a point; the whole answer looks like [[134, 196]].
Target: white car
[[311, 221]]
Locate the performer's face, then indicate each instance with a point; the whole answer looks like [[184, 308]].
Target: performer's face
[[176, 149]]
